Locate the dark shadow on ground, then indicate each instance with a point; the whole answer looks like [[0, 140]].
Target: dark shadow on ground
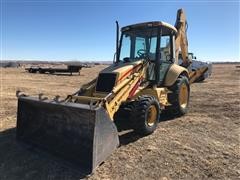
[[20, 161], [129, 136], [167, 116]]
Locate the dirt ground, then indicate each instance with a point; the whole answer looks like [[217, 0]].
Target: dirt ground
[[203, 144]]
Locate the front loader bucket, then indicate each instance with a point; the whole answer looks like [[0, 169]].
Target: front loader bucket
[[82, 135]]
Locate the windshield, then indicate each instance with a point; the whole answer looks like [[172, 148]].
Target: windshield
[[138, 44]]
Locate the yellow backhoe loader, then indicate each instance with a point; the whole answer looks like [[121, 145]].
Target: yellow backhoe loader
[[144, 79]]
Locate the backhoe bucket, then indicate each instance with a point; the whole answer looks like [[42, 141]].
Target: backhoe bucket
[[82, 135]]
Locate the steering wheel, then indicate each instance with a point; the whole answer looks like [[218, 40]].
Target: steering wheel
[[141, 52], [168, 57]]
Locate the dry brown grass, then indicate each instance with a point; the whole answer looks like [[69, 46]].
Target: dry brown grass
[[203, 144]]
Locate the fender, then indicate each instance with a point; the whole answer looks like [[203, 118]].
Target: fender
[[173, 73]]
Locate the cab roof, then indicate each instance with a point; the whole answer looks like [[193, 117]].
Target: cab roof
[[149, 24]]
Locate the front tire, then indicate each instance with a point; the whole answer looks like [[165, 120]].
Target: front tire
[[123, 116], [146, 115]]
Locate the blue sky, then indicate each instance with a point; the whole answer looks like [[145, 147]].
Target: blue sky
[[83, 30]]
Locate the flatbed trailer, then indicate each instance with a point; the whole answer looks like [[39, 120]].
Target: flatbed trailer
[[70, 69]]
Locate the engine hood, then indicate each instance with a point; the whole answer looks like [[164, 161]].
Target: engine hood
[[122, 70]]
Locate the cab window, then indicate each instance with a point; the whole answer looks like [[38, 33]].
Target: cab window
[[165, 48]]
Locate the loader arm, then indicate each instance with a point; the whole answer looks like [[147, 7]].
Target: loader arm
[[120, 93]]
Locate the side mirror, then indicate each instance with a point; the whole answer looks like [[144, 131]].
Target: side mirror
[[194, 57]]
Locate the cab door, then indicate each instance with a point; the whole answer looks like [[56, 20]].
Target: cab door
[[166, 56]]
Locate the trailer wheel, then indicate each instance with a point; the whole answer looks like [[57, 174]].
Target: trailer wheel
[[51, 71], [31, 70], [41, 71], [146, 115], [179, 98]]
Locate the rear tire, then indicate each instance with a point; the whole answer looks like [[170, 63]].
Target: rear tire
[[146, 115], [179, 98]]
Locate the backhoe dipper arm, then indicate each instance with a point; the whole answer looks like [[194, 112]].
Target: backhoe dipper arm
[[181, 37]]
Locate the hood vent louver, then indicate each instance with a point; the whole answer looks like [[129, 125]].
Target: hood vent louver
[[106, 82]]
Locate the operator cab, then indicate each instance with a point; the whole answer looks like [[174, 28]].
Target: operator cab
[[153, 41]]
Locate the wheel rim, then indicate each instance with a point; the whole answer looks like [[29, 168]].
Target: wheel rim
[[152, 115], [183, 96]]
